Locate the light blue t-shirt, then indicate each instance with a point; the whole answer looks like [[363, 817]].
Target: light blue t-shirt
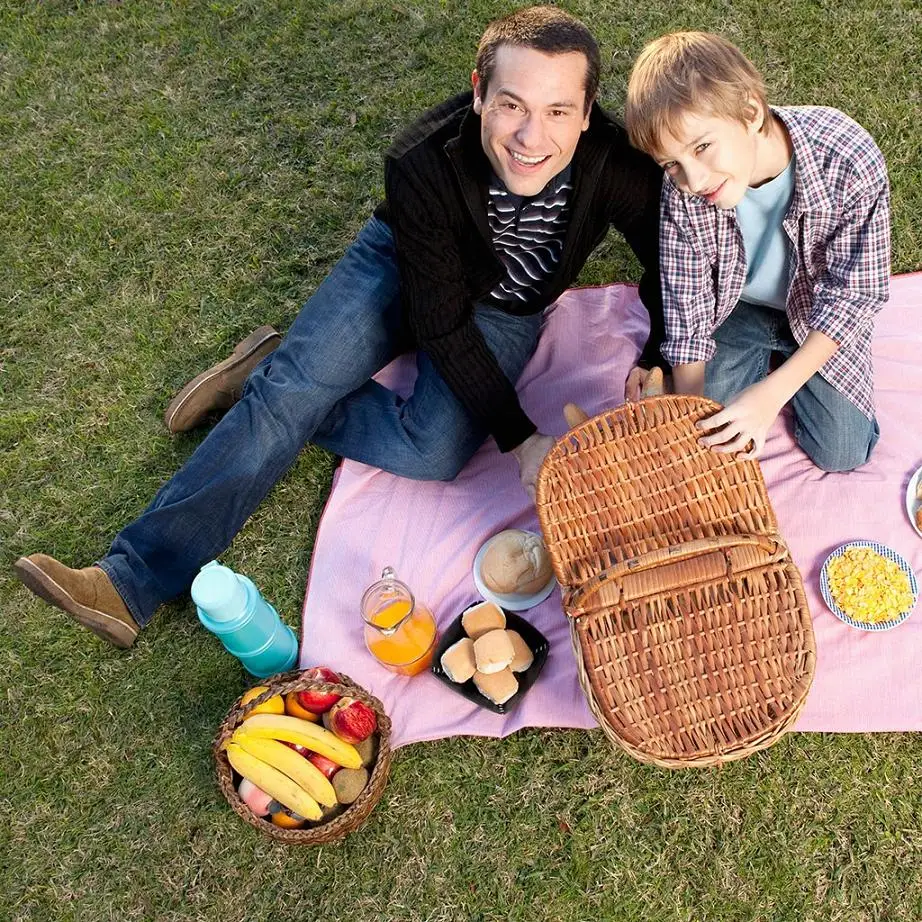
[[768, 250]]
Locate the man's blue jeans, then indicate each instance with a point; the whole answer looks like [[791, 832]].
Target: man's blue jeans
[[828, 426], [315, 387]]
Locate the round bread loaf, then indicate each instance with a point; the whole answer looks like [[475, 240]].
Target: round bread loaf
[[516, 562]]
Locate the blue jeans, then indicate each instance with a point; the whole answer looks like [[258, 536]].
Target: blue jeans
[[828, 426], [315, 387]]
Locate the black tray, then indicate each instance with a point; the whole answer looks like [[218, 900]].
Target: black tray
[[534, 639]]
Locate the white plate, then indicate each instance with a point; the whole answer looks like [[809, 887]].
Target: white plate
[[884, 551], [911, 502], [510, 601]]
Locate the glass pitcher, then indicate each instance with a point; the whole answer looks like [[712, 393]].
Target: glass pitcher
[[400, 631]]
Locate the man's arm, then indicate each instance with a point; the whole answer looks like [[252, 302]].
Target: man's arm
[[636, 215], [439, 312]]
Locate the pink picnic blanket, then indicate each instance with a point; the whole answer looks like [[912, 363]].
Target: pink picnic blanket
[[430, 533]]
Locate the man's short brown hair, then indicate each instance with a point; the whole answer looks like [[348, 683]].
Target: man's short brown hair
[[543, 28], [690, 72]]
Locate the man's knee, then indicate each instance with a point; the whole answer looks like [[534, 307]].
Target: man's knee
[[441, 464]]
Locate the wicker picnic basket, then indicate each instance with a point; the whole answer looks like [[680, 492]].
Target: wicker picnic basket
[[356, 813], [688, 618]]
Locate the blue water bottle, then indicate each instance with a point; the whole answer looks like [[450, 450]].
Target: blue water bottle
[[230, 606]]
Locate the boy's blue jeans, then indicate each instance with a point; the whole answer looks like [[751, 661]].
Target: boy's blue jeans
[[828, 426], [315, 387]]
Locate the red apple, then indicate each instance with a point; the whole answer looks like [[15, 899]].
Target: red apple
[[327, 766], [298, 748], [318, 702], [352, 720]]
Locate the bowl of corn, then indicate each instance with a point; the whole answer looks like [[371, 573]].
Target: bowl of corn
[[868, 586]]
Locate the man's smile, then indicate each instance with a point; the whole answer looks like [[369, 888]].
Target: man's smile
[[527, 161]]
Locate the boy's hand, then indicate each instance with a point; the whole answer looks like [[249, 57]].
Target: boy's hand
[[530, 454], [744, 421]]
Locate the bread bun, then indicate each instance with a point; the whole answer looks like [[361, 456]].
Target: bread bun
[[458, 660], [493, 651], [515, 562], [483, 617], [522, 656], [499, 687]]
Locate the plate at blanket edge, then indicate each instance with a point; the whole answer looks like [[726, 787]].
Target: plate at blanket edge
[[911, 502], [884, 551]]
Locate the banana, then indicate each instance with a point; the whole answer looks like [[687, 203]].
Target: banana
[[305, 774], [273, 782], [304, 733]]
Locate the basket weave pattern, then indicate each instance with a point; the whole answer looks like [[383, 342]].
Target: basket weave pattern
[[689, 621], [357, 812]]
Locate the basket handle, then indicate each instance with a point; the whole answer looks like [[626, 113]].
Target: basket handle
[[670, 567]]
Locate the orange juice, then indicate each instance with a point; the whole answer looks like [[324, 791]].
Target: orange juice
[[408, 650]]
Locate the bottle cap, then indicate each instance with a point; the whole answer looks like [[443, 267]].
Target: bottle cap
[[219, 592]]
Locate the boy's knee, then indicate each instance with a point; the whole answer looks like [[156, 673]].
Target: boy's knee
[[833, 457]]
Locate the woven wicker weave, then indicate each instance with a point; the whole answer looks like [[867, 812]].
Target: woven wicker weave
[[356, 813], [688, 619]]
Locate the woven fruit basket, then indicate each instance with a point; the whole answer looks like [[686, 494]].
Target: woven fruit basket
[[352, 816], [688, 618]]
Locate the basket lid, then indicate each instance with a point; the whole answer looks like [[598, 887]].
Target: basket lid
[[635, 479]]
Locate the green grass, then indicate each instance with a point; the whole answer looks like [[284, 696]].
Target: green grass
[[174, 174]]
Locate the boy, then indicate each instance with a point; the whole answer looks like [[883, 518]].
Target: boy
[[774, 237]]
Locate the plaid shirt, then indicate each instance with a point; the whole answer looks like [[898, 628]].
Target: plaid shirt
[[839, 227]]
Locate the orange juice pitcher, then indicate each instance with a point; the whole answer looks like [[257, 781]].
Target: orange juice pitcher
[[400, 631]]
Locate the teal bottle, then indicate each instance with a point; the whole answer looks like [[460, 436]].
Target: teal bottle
[[231, 607]]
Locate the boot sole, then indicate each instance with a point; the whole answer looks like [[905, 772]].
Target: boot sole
[[253, 346], [100, 623]]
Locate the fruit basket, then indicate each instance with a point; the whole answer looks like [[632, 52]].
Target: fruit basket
[[323, 830], [688, 618]]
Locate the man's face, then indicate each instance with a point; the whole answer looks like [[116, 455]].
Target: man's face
[[532, 115], [712, 157]]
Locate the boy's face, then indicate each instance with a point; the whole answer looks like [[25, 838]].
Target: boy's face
[[713, 157], [532, 115]]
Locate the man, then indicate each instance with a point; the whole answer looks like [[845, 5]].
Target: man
[[494, 200]]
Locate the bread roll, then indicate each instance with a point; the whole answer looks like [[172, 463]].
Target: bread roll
[[458, 660], [483, 617], [654, 385], [522, 656], [499, 687], [493, 651], [515, 562]]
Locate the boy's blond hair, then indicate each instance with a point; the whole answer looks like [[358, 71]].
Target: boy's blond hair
[[686, 72]]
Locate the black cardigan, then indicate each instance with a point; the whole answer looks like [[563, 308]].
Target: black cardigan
[[436, 179]]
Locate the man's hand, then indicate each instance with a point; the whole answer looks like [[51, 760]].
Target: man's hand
[[530, 454], [746, 419], [643, 382]]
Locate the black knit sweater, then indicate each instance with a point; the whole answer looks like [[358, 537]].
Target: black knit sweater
[[436, 180]]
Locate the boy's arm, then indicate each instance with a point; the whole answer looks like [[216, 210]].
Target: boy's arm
[[856, 283], [854, 287], [687, 286], [749, 416], [689, 379]]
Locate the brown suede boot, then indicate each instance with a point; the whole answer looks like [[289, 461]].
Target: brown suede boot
[[86, 595], [219, 387]]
